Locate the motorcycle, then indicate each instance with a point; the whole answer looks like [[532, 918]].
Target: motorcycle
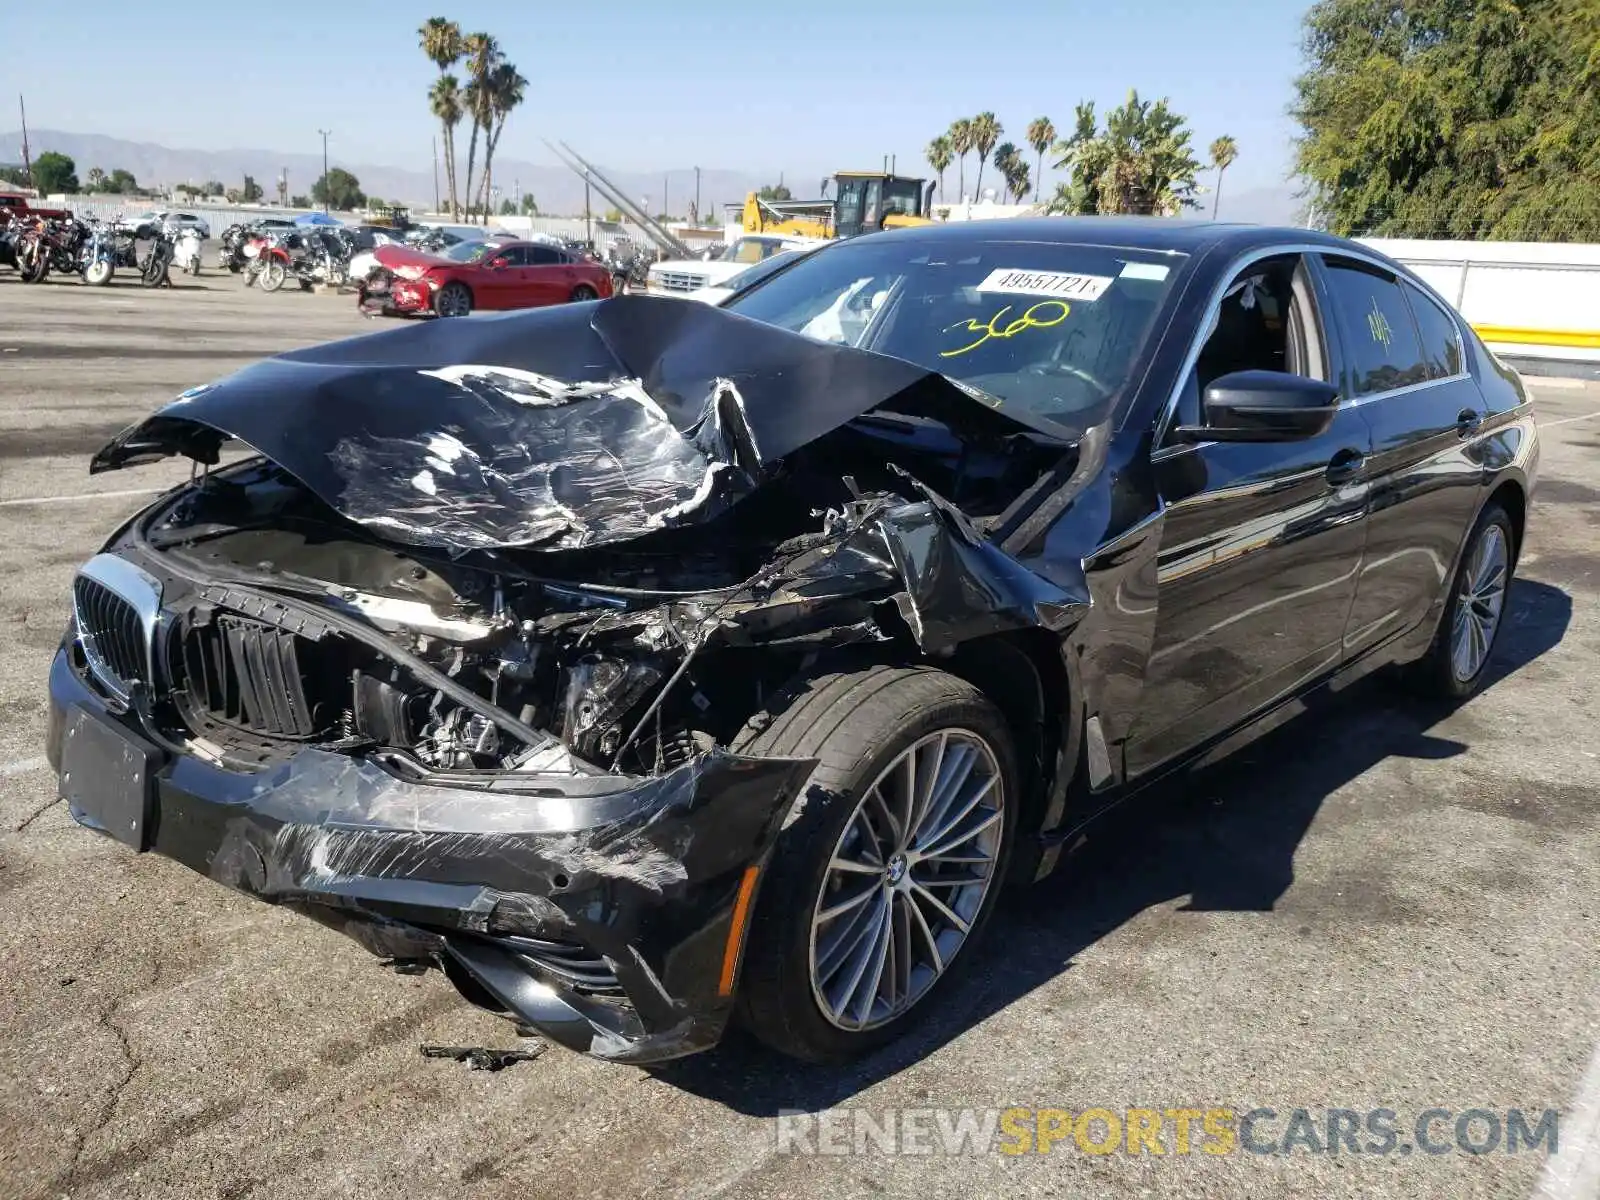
[[33, 251], [186, 250], [157, 262], [309, 259], [98, 258]]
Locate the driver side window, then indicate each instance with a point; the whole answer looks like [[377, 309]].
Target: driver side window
[[1267, 322]]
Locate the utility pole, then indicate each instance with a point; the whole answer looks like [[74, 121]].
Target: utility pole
[[697, 193], [588, 219], [283, 186], [664, 201], [435, 174], [27, 161], [325, 189]]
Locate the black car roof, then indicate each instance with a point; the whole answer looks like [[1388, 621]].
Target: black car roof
[[1146, 233]]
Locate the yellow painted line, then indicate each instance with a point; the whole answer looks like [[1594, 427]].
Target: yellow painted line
[[1587, 340]]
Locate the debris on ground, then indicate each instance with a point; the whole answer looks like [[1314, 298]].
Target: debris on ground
[[483, 1058]]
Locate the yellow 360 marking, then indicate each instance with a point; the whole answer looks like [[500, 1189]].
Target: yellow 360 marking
[[1030, 319]]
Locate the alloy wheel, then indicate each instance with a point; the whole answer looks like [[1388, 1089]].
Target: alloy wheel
[[1479, 603], [907, 879]]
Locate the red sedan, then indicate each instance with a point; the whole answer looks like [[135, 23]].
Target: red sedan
[[489, 275]]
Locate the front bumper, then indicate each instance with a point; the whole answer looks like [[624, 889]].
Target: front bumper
[[640, 878]]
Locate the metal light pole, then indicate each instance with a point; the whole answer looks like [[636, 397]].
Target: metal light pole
[[324, 133], [697, 214]]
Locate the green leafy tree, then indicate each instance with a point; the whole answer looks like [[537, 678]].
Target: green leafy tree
[[55, 172], [120, 183], [252, 191], [299, 201], [441, 43], [960, 136], [95, 179], [986, 132], [613, 216], [939, 156], [1223, 153], [213, 188], [1140, 162], [508, 207], [530, 206], [339, 189], [1041, 135], [775, 192], [15, 176], [1443, 118]]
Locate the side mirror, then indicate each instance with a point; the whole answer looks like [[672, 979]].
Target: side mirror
[[1264, 406]]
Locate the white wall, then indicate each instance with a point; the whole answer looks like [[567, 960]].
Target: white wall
[[1531, 288]]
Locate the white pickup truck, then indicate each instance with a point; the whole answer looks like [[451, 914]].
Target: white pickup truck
[[680, 277]]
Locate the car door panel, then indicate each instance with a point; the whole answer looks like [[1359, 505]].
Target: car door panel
[[1260, 549], [1425, 473], [1256, 573]]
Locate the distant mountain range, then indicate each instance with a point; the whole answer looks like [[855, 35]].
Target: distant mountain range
[[557, 189]]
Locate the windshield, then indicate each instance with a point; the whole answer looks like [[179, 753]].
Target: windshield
[[1050, 332], [467, 252]]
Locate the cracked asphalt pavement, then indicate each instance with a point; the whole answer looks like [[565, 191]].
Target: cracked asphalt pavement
[[1379, 905]]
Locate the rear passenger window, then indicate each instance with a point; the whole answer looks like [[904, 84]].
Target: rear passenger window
[[1441, 339], [1381, 345]]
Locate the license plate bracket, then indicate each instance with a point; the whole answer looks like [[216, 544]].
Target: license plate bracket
[[108, 777]]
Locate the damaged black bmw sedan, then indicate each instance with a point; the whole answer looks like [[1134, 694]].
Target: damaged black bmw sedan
[[645, 665]]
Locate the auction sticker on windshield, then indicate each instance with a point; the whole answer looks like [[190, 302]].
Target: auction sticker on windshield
[[1066, 284]]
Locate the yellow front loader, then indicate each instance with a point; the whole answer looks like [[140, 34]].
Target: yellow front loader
[[863, 202]]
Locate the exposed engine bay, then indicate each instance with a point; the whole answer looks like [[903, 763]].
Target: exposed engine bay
[[501, 568], [637, 657]]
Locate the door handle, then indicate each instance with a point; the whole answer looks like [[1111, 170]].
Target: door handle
[[1345, 465], [1467, 422]]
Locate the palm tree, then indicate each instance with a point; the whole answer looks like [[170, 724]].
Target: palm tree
[[960, 136], [1223, 151], [1013, 169], [985, 133], [1041, 133], [441, 43], [445, 100], [507, 89], [96, 177], [939, 158], [483, 55]]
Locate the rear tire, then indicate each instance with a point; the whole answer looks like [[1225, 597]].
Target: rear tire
[[583, 292], [1463, 646], [797, 993], [453, 300]]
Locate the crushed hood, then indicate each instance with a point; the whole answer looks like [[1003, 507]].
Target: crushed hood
[[409, 262], [554, 428]]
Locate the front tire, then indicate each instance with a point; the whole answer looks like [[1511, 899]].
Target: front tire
[[1458, 659], [273, 276], [892, 865], [98, 273], [453, 300]]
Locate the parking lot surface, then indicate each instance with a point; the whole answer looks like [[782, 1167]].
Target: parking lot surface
[[1379, 906]]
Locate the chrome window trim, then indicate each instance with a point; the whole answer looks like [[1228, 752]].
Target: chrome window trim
[[1214, 305], [143, 592]]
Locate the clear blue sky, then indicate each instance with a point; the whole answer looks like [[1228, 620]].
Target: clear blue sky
[[802, 86]]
